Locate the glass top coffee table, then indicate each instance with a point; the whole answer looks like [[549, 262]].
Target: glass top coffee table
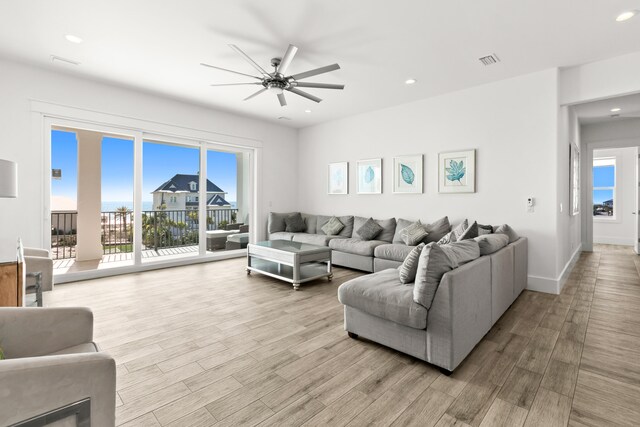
[[292, 262]]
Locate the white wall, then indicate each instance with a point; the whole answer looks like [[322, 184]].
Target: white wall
[[19, 84], [511, 123], [621, 230]]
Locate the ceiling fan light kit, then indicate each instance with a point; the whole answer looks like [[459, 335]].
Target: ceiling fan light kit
[[278, 81]]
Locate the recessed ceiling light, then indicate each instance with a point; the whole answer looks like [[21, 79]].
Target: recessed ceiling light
[[73, 39], [410, 81], [615, 110], [624, 16], [307, 111]]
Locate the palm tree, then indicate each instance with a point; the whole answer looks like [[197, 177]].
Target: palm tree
[[123, 213]]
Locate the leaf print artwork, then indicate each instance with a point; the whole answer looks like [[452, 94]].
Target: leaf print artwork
[[407, 174], [369, 175], [455, 171]]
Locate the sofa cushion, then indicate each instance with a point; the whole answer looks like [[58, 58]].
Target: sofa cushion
[[490, 243], [459, 229], [294, 223], [276, 221], [470, 233], [484, 229], [388, 227], [409, 267], [332, 227], [314, 239], [88, 347], [369, 230], [433, 264], [401, 224], [450, 237], [281, 235], [508, 231], [437, 229], [393, 251], [347, 220], [310, 221], [462, 252], [413, 234], [355, 246], [382, 295]]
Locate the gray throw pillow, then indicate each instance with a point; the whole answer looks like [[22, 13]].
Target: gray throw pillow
[[369, 230], [432, 265], [484, 229], [332, 227], [407, 270], [490, 243], [295, 223], [459, 229], [462, 252], [276, 221], [505, 229], [437, 229], [450, 237], [470, 233], [413, 234]]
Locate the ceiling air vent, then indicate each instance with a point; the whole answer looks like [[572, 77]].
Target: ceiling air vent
[[55, 59], [489, 59]]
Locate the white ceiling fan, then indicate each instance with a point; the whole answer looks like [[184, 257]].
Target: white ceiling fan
[[278, 81]]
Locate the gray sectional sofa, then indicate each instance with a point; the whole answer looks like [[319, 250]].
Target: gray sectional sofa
[[348, 250]]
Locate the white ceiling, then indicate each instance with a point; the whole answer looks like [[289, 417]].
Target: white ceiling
[[600, 111], [157, 45]]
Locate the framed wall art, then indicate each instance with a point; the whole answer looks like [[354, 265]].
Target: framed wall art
[[457, 172], [370, 176], [407, 174], [338, 178]]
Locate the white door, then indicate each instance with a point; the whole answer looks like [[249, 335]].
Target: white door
[[637, 205]]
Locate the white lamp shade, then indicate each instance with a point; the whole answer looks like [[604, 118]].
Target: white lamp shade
[[8, 178]]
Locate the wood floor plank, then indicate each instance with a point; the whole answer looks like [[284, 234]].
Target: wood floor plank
[[426, 410], [504, 414], [520, 388], [549, 409]]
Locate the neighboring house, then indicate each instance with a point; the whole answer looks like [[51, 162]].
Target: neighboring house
[[182, 193], [608, 203]]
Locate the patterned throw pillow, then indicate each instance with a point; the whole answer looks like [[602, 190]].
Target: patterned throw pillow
[[369, 230], [413, 234], [484, 229], [295, 223], [460, 228], [432, 265], [407, 270], [332, 227], [450, 237], [469, 233]]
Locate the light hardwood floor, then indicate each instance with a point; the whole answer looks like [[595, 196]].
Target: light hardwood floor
[[208, 345]]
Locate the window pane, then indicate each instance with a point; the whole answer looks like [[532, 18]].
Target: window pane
[[603, 203], [604, 176]]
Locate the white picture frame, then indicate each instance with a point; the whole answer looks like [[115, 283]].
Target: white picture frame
[[457, 172], [338, 178], [408, 174], [369, 176]]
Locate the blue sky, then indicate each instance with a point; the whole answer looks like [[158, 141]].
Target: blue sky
[[603, 176], [159, 163]]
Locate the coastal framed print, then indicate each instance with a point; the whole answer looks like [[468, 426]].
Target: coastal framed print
[[338, 178], [370, 176], [407, 174], [457, 172]]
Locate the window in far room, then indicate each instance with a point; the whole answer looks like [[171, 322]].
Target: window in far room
[[604, 188]]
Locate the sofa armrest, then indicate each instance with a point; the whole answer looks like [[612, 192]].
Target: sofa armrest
[[36, 252], [35, 385], [44, 265], [29, 332], [460, 314]]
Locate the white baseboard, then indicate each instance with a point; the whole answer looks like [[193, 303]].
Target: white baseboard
[[605, 240], [551, 285]]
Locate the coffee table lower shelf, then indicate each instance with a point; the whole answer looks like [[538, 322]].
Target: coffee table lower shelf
[[307, 271]]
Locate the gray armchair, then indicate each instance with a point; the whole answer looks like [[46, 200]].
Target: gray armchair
[[52, 362]]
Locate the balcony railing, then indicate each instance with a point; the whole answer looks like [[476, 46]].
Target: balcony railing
[[160, 230]]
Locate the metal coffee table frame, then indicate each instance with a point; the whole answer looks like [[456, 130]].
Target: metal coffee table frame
[[306, 262]]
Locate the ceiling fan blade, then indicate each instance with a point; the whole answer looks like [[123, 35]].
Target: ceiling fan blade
[[287, 58], [304, 94], [315, 72], [231, 71], [255, 94], [282, 99], [249, 60], [237, 84], [319, 85]]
